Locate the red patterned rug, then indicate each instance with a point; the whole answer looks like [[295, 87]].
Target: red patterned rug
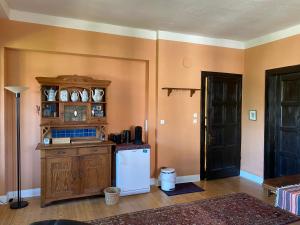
[[233, 209]]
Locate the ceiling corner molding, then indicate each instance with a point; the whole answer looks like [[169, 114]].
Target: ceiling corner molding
[[195, 39], [4, 9], [281, 34], [78, 24], [37, 18]]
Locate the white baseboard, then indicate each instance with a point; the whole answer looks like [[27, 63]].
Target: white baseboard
[[153, 181], [3, 199], [37, 191], [27, 193], [252, 177], [189, 178]]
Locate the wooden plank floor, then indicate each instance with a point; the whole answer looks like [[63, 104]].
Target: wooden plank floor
[[93, 208]]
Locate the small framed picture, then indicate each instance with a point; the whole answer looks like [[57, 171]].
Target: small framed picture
[[252, 115]]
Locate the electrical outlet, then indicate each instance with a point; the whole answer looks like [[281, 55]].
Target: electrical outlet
[[195, 115], [195, 121], [162, 122]]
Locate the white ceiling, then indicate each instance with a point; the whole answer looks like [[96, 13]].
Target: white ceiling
[[3, 9], [239, 20]]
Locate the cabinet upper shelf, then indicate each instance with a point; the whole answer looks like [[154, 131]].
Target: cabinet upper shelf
[[72, 100], [73, 80]]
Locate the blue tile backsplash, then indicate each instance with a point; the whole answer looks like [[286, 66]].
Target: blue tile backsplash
[[83, 132]]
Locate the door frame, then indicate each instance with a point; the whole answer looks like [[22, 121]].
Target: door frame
[[204, 75], [269, 138]]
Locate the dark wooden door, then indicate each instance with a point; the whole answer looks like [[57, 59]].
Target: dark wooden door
[[221, 125], [287, 144], [282, 119]]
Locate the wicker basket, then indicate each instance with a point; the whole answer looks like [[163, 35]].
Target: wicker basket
[[112, 195]]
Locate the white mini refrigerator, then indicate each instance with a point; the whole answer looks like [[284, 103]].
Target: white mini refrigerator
[[133, 171]]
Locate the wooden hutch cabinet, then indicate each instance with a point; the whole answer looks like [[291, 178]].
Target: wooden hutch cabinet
[[73, 108]]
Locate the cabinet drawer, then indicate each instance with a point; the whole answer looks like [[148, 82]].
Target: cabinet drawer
[[61, 152], [93, 150]]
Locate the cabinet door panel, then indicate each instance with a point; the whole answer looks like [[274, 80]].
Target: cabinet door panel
[[61, 177], [95, 173]]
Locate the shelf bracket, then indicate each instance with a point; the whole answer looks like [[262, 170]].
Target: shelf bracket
[[45, 131], [192, 92]]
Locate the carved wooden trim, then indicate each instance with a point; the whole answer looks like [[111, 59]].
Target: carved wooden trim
[[71, 80], [45, 131]]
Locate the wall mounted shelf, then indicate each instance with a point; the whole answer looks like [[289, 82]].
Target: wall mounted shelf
[[170, 89]]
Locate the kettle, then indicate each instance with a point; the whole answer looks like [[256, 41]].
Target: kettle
[[126, 136], [50, 94], [97, 95], [117, 138], [74, 96], [84, 95]]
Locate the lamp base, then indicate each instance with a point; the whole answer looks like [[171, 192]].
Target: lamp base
[[18, 205]]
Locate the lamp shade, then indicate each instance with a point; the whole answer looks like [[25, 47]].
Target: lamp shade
[[16, 89]]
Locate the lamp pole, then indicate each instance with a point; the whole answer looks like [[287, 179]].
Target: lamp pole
[[19, 203]]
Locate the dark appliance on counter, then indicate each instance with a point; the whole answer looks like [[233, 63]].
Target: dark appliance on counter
[[117, 138], [138, 140], [126, 136]]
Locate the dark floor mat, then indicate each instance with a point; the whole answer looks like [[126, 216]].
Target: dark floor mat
[[184, 188]]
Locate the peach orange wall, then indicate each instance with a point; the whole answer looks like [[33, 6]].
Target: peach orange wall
[[180, 65], [258, 59], [29, 50], [126, 97]]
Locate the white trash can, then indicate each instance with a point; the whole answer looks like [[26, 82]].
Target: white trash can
[[168, 179]]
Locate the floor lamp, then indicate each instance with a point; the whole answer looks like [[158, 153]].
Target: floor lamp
[[17, 90]]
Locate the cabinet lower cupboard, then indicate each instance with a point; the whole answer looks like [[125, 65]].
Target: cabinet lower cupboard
[[94, 170], [72, 171]]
